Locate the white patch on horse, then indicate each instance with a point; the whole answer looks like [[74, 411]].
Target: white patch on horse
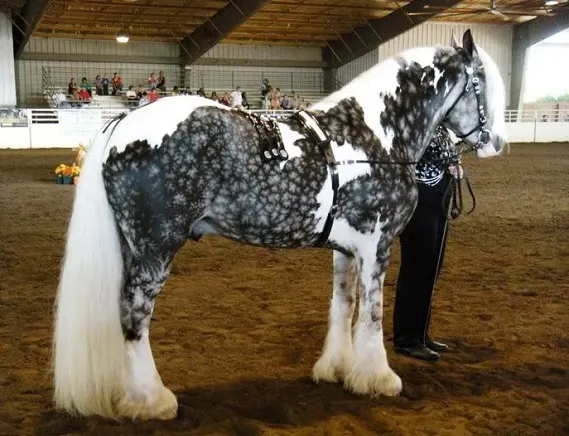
[[289, 137], [368, 89], [324, 198], [347, 173], [153, 121]]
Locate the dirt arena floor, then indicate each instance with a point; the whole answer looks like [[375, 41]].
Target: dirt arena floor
[[238, 328]]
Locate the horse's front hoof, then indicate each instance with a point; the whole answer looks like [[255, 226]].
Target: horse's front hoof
[[374, 384], [163, 405]]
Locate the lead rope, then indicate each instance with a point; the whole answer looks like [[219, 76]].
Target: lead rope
[[454, 189]]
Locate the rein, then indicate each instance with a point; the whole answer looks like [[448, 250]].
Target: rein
[[454, 189]]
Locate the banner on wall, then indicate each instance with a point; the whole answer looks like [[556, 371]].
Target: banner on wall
[[80, 124], [10, 117]]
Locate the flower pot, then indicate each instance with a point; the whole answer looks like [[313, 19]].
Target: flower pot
[[67, 180], [59, 179]]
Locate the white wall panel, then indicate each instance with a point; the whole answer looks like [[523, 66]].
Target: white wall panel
[[354, 68], [265, 52], [221, 79], [94, 47], [7, 71], [496, 39]]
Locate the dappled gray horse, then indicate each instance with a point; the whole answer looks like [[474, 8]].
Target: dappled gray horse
[[339, 176]]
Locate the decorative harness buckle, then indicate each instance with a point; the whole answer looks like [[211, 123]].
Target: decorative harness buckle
[[270, 141]]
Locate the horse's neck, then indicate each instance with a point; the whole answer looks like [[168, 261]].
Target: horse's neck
[[404, 130]]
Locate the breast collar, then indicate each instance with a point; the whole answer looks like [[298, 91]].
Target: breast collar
[[272, 148]]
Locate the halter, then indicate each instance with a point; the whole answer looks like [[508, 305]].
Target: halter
[[484, 135]]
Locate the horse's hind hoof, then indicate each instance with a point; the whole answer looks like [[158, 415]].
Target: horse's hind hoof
[[162, 406]]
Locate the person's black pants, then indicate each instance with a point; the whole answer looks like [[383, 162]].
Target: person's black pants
[[422, 251]]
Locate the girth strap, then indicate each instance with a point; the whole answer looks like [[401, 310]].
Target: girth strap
[[323, 141]]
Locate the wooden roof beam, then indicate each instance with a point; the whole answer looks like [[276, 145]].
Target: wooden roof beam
[[25, 22], [366, 38], [216, 28]]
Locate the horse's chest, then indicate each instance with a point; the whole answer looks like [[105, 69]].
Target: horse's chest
[[387, 195]]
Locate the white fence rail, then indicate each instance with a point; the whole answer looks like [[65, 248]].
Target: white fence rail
[[48, 128]]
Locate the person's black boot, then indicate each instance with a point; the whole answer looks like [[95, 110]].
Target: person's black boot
[[435, 346], [419, 351]]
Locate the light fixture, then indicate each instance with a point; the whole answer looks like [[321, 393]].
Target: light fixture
[[122, 37], [551, 3]]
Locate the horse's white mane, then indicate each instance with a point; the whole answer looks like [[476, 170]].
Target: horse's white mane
[[495, 94]]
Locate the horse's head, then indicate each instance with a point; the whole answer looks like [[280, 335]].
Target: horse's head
[[477, 116]]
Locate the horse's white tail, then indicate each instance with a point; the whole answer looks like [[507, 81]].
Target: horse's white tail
[[89, 349]]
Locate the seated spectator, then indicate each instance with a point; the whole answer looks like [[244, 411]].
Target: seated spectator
[[84, 94], [131, 93], [265, 88], [75, 99], [87, 86], [293, 100], [117, 84], [237, 98], [285, 103], [201, 92], [225, 99], [276, 99], [105, 84], [151, 81], [144, 99], [213, 96], [72, 85], [98, 85], [153, 95], [175, 91], [161, 82], [245, 103], [140, 91]]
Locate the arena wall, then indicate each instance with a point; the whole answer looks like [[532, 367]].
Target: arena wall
[[496, 39], [49, 128], [7, 71], [220, 69]]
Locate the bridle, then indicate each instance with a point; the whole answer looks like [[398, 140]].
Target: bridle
[[484, 135]]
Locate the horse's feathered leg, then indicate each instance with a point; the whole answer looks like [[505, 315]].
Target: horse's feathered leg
[[371, 374], [337, 357], [145, 395]]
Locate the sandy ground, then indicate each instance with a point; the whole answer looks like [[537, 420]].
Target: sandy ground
[[238, 328]]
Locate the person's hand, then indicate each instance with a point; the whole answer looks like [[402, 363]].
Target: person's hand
[[456, 171]]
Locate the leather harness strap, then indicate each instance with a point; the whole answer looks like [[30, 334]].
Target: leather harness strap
[[323, 141]]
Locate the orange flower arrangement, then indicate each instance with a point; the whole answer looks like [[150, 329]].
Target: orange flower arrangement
[[73, 171]]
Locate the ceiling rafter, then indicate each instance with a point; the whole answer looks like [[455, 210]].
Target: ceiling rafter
[[345, 27], [216, 28], [25, 22], [361, 40]]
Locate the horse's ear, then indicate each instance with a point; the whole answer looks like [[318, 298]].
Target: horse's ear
[[453, 42], [468, 45]]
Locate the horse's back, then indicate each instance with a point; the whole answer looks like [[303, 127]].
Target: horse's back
[[155, 120]]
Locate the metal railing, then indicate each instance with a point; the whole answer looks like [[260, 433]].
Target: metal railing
[[537, 115], [49, 91], [39, 116]]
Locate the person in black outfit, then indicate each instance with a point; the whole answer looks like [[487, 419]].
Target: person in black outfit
[[422, 250]]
